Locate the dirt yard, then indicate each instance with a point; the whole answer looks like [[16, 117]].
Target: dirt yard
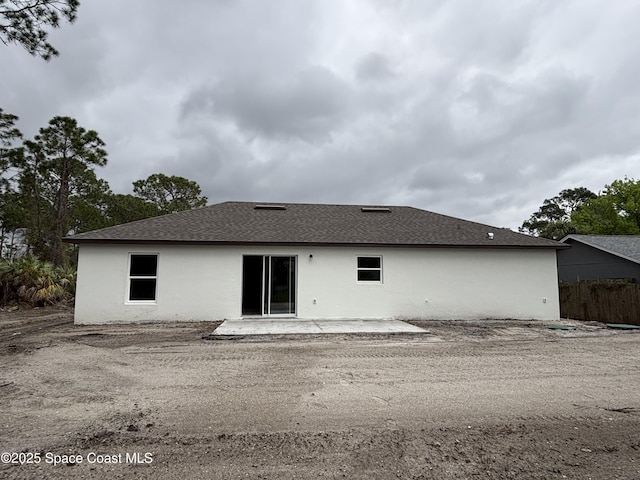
[[485, 399]]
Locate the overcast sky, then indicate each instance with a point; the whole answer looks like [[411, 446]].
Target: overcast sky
[[476, 109]]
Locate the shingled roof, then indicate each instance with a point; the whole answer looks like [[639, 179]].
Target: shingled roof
[[247, 223], [624, 246]]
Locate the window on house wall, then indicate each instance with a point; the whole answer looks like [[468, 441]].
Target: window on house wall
[[370, 269], [143, 270]]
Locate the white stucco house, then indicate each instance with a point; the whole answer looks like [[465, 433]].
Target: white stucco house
[[242, 259]]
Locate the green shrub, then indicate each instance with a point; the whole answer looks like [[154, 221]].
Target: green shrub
[[34, 282]]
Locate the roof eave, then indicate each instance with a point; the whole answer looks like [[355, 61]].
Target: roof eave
[[95, 241]]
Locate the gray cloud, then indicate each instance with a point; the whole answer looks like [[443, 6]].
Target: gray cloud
[[478, 110], [308, 105], [373, 67]]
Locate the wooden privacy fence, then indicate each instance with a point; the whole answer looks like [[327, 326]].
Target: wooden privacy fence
[[602, 301]]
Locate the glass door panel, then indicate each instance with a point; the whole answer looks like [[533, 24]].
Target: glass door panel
[[252, 285], [282, 286]]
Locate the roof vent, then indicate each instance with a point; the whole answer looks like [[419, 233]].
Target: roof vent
[[375, 209], [490, 236], [269, 207]]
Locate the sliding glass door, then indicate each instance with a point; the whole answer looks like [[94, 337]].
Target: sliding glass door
[[268, 285], [281, 273]]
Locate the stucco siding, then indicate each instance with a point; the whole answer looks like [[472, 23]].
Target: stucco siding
[[195, 283], [205, 283]]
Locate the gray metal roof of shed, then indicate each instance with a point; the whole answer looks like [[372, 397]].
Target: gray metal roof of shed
[[243, 223], [624, 246]]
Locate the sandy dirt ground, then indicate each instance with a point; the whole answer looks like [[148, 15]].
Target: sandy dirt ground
[[484, 399]]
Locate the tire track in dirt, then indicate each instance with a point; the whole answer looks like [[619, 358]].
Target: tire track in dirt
[[531, 450], [194, 361]]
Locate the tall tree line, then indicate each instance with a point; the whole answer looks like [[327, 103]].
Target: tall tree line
[[49, 189]]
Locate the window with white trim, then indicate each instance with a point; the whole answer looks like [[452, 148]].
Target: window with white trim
[[143, 277], [370, 269]]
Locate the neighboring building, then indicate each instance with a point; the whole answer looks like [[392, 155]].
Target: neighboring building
[[239, 259], [593, 257]]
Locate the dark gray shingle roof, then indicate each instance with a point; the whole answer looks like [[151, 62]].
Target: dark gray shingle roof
[[312, 224], [624, 246]]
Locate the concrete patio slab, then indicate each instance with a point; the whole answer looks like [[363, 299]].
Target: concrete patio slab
[[296, 326]]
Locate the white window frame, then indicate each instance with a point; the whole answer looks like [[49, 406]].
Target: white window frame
[[369, 269], [138, 277]]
